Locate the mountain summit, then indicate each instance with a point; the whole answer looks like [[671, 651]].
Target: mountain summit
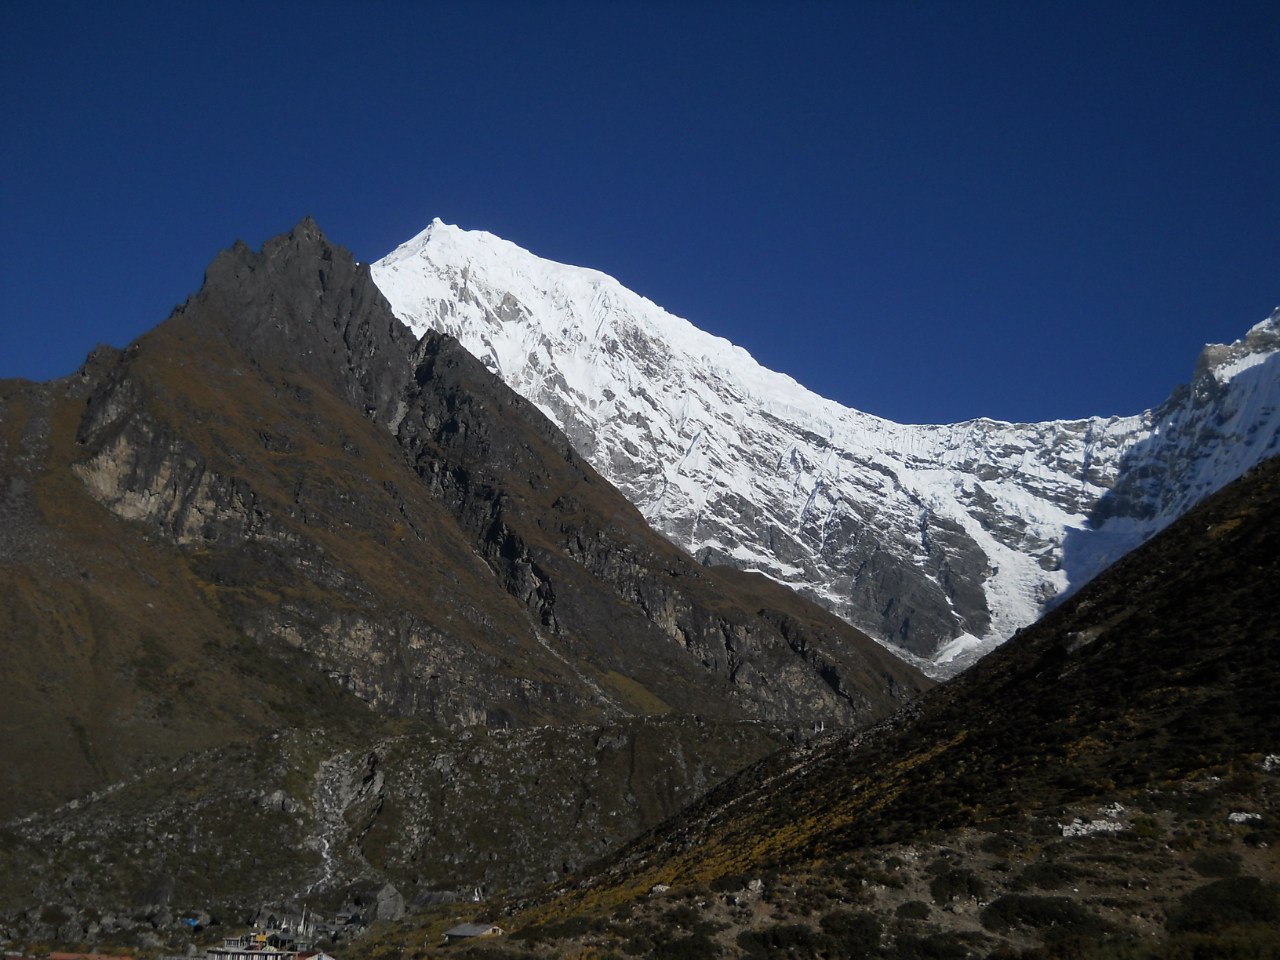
[[280, 502], [288, 594], [941, 540]]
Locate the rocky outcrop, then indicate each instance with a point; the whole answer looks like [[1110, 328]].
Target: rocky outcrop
[[558, 537], [145, 473], [284, 573], [590, 593]]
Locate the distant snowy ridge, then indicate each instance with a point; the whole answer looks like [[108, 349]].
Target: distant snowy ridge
[[940, 540]]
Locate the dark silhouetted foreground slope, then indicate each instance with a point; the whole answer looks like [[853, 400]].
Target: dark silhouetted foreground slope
[[1147, 708]]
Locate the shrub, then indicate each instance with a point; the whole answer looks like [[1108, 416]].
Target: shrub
[[1147, 828], [683, 916], [1224, 903], [481, 952], [1045, 876], [956, 882], [1216, 863], [694, 946], [783, 940], [998, 845], [913, 910], [638, 945], [730, 883], [810, 899], [565, 928], [1265, 834], [1064, 916], [851, 934], [938, 946]]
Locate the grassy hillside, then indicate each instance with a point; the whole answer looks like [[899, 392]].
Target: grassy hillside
[[1146, 708]]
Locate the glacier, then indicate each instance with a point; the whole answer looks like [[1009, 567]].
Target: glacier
[[938, 540]]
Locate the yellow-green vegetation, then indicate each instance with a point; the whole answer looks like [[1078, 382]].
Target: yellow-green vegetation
[[636, 696], [1170, 711], [748, 834], [953, 894]]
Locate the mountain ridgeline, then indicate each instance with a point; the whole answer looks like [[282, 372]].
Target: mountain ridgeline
[[281, 519], [302, 605], [941, 540]]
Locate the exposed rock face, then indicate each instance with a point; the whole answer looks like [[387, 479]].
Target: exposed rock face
[[941, 540], [143, 472], [586, 593], [281, 511]]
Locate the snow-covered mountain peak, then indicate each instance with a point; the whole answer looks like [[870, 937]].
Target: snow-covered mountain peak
[[576, 308], [941, 539]]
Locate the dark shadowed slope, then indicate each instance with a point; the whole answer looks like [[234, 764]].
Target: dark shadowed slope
[[1164, 669]]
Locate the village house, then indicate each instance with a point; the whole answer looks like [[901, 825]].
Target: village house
[[251, 946], [264, 945]]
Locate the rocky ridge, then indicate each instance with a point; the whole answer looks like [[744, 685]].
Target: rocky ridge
[[279, 535]]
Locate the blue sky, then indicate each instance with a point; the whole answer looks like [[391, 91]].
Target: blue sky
[[930, 211]]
